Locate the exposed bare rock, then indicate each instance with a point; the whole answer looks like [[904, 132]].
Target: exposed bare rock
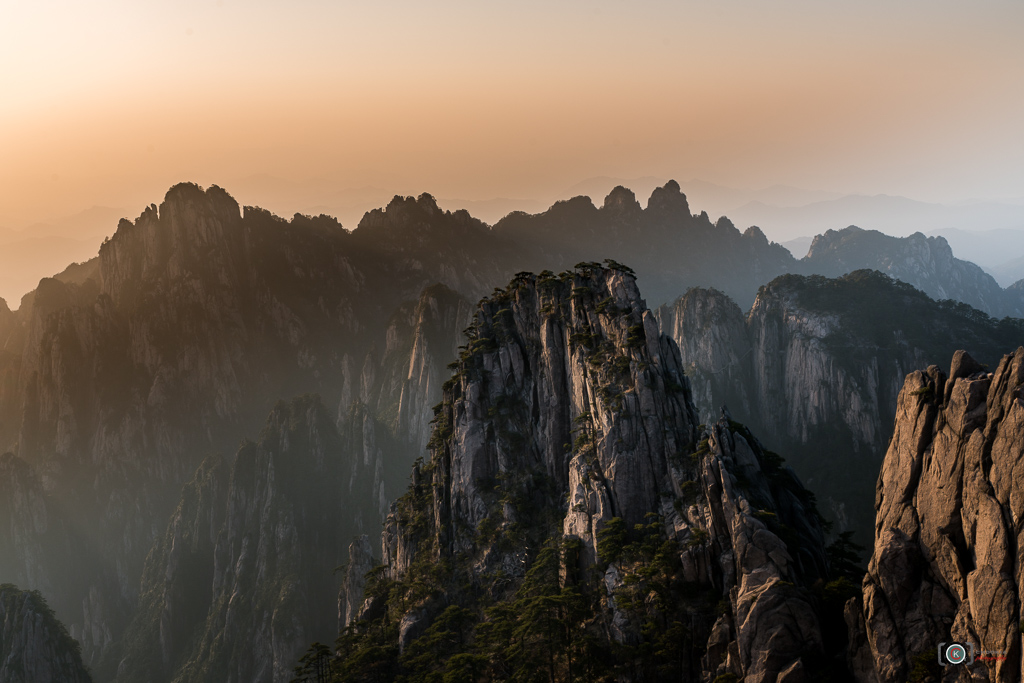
[[570, 417], [945, 565], [711, 332], [350, 597], [34, 646], [120, 376], [816, 365], [1015, 299], [772, 622], [421, 339]]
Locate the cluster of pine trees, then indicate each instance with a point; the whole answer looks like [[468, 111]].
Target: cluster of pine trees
[[552, 628]]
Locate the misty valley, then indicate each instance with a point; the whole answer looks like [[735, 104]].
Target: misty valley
[[611, 442]]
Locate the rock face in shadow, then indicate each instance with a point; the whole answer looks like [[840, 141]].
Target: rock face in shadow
[[816, 365], [945, 565], [670, 248], [121, 376], [926, 263], [34, 646], [242, 579], [176, 343], [566, 461]]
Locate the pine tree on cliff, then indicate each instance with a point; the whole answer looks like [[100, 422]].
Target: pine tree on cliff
[[315, 665]]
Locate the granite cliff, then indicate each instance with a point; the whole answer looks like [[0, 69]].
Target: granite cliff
[[34, 646], [573, 516], [946, 563], [816, 366], [122, 377]]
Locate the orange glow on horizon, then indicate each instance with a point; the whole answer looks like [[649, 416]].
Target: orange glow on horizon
[[110, 105]]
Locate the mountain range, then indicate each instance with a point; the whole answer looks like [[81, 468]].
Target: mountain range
[[225, 399], [990, 234]]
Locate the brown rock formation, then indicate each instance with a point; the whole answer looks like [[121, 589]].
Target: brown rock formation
[[946, 563]]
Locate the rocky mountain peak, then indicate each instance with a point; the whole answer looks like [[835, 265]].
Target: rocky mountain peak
[[723, 223], [945, 565], [427, 202], [830, 238], [403, 211], [755, 234], [186, 199], [927, 263], [418, 227], [587, 375], [565, 459], [579, 205], [622, 202], [194, 231], [669, 198]]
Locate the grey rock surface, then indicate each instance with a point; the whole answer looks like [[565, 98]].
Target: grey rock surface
[[815, 368], [242, 580], [570, 400], [34, 646], [195, 319]]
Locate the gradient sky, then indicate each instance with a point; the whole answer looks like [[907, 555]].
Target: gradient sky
[[110, 102]]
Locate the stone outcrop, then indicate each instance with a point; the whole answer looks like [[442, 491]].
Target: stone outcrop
[[34, 646], [421, 339], [119, 376], [945, 565], [815, 368], [350, 597], [570, 414], [716, 350], [1015, 297]]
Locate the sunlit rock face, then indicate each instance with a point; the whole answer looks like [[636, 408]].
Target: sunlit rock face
[[945, 563], [121, 376]]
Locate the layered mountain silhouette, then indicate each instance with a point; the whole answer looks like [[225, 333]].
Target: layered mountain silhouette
[[128, 382]]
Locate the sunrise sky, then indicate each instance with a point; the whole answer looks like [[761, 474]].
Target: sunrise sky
[[111, 102]]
